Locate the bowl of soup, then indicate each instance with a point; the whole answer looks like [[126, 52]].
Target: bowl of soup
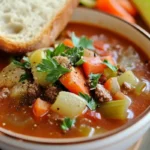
[[88, 91]]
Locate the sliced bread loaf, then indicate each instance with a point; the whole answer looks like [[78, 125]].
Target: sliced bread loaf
[[26, 25]]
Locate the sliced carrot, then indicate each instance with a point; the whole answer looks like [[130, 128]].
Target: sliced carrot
[[40, 108], [127, 5], [112, 85], [113, 7], [93, 65], [75, 81], [68, 42]]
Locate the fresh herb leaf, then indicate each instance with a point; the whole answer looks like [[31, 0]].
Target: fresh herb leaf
[[80, 62], [25, 64], [24, 77], [59, 50], [109, 65], [94, 78], [91, 103], [82, 42], [74, 54], [52, 68], [67, 123]]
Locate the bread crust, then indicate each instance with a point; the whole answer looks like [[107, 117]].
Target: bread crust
[[47, 36]]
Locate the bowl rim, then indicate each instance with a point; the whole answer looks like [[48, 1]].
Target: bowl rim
[[74, 141]]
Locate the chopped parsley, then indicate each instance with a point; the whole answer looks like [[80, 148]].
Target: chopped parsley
[[94, 78], [24, 77], [75, 55], [91, 103], [82, 42], [59, 50], [109, 65], [67, 123], [25, 64], [53, 69]]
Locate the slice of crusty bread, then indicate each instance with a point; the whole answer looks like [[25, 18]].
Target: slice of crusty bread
[[26, 25]]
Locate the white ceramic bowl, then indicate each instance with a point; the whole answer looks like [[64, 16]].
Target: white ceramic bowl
[[119, 139]]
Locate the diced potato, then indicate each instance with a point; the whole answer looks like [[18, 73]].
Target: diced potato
[[128, 77], [69, 105], [19, 92], [35, 59], [114, 109], [10, 75], [112, 85]]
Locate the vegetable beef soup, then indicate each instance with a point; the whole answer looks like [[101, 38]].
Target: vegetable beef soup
[[89, 82]]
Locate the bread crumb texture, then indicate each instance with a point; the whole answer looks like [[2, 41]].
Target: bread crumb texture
[[22, 20]]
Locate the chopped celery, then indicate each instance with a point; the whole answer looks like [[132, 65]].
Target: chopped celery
[[36, 58], [140, 87], [112, 85], [109, 73], [128, 77], [88, 3], [114, 109]]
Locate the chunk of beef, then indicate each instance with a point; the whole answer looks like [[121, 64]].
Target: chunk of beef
[[33, 92], [120, 70], [51, 93], [102, 94], [102, 79], [4, 93], [63, 61]]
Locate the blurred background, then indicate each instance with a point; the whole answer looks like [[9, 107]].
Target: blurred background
[[133, 11]]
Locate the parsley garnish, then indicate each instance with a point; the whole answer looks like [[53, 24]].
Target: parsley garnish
[[75, 55], [25, 64], [109, 65], [67, 123], [91, 103], [59, 50], [52, 68], [24, 77], [82, 42], [94, 78]]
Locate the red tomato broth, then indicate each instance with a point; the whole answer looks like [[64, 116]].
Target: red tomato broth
[[50, 128]]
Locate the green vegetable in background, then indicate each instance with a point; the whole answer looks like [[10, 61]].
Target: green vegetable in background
[[88, 3]]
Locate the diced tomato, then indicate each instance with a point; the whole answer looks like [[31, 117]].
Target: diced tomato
[[40, 108]]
